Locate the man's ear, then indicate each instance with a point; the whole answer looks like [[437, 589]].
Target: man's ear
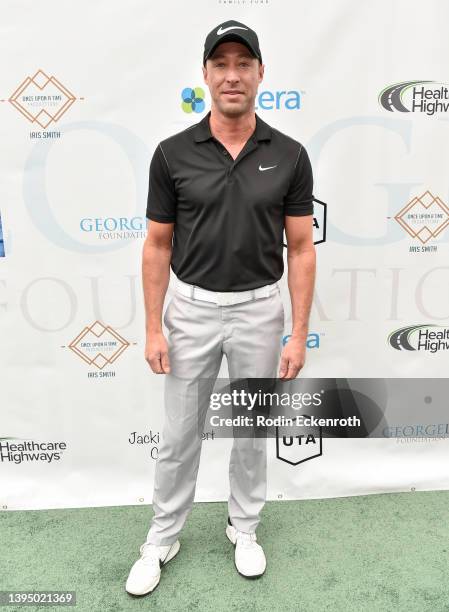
[[261, 72], [204, 74]]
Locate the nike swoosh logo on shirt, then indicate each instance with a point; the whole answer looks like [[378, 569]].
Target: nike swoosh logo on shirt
[[267, 168], [223, 30]]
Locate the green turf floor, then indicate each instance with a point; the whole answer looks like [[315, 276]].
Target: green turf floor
[[372, 553]]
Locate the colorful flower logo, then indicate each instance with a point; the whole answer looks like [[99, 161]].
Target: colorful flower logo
[[193, 100]]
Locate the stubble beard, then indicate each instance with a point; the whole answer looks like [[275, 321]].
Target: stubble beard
[[231, 109]]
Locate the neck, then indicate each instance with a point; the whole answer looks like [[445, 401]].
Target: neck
[[232, 130]]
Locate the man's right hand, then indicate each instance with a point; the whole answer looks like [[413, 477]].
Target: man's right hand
[[156, 353]]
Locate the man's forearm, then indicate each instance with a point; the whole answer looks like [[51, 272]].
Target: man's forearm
[[301, 282], [155, 280]]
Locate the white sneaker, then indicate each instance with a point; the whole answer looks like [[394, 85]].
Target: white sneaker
[[146, 571], [249, 557]]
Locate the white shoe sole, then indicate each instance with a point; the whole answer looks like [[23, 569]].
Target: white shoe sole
[[231, 533], [172, 553]]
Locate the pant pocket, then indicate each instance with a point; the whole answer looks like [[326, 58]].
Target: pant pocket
[[281, 307], [166, 317]]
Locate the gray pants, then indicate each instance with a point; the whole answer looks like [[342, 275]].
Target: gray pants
[[200, 332]]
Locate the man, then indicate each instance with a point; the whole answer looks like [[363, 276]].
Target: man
[[221, 193]]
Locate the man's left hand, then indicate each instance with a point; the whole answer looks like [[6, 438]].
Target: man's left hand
[[293, 358]]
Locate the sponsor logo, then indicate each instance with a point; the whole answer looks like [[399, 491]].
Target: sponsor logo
[[312, 342], [151, 440], [277, 100], [302, 446], [319, 222], [247, 3], [42, 100], [193, 100], [18, 450], [427, 97], [416, 431], [267, 168], [2, 243], [424, 218], [114, 228], [428, 337], [223, 30], [99, 345]]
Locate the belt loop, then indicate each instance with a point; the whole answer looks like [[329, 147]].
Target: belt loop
[[253, 294], [192, 292]]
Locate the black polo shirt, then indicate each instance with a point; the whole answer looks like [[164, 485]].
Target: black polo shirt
[[229, 214]]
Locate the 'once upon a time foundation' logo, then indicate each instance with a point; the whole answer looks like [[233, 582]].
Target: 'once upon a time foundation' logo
[[99, 345], [42, 99], [424, 218]]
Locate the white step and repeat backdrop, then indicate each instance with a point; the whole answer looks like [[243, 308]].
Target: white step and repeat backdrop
[[87, 91]]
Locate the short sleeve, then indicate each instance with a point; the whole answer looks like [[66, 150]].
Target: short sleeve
[[161, 202], [299, 199]]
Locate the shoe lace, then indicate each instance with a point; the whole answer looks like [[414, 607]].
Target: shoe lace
[[149, 553], [247, 540]]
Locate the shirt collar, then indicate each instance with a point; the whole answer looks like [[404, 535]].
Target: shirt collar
[[202, 130]]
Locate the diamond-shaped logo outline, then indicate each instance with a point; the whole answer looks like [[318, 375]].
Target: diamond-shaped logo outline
[[421, 235], [97, 360], [41, 80]]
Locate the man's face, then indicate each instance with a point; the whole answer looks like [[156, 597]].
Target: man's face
[[233, 76]]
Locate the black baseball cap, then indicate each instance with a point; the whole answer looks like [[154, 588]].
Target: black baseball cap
[[231, 30]]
